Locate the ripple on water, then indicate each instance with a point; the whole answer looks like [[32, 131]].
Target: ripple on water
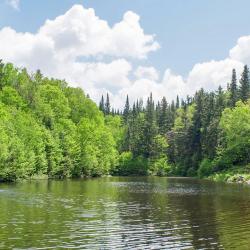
[[113, 214]]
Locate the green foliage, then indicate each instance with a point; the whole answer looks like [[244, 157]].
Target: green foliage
[[98, 153], [130, 165], [47, 128], [81, 106], [235, 124], [233, 90], [51, 104], [160, 167], [244, 90], [22, 145], [205, 169], [233, 174], [10, 97], [205, 133], [114, 124]]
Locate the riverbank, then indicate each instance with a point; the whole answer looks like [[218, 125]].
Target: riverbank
[[235, 174]]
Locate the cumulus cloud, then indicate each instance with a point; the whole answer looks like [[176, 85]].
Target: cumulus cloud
[[79, 32], [147, 72], [68, 47], [210, 75], [241, 51], [169, 86], [86, 51], [14, 3]]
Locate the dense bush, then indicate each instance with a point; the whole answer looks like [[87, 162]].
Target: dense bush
[[206, 168], [129, 165]]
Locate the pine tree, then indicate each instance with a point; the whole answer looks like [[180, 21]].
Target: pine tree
[[139, 105], [208, 132], [164, 125], [172, 111], [101, 105], [157, 113], [220, 101], [233, 89], [150, 129], [107, 105], [126, 111], [177, 105], [134, 111], [195, 131], [244, 89]]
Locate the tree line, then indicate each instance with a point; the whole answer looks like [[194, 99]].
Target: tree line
[[50, 129], [203, 134]]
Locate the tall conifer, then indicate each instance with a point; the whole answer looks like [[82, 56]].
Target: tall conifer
[[244, 85]]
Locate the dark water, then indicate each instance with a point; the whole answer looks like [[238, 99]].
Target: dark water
[[124, 213]]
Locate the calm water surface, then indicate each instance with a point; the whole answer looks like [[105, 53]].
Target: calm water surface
[[124, 213]]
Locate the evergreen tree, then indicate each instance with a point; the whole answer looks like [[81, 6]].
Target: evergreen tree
[[220, 101], [150, 129], [126, 111], [49, 128], [244, 90], [157, 113], [101, 105], [107, 106], [177, 102], [233, 89], [164, 119], [195, 133]]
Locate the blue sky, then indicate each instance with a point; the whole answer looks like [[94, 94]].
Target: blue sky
[[188, 31]]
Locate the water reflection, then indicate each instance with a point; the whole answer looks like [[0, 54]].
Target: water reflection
[[124, 213]]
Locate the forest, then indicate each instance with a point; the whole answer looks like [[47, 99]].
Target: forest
[[48, 129]]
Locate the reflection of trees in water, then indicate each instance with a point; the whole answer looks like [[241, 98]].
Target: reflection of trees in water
[[233, 216], [175, 210], [154, 212], [122, 211], [141, 210], [200, 212]]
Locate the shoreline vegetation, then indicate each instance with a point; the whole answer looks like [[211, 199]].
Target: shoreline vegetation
[[51, 130], [234, 175]]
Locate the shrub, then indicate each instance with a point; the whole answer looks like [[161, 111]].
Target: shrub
[[205, 169], [160, 167], [129, 165]]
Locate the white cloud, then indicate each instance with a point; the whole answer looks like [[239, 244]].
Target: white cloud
[[169, 86], [14, 3], [95, 76], [209, 75], [75, 46], [68, 47], [241, 52], [79, 32], [147, 72]]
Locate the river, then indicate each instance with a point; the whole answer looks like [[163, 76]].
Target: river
[[124, 213]]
